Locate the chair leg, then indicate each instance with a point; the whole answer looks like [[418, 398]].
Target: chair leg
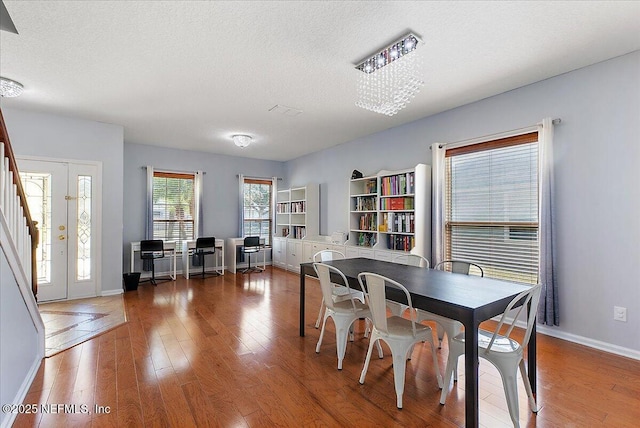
[[527, 387], [324, 323], [153, 273], [341, 341], [399, 369], [510, 383], [320, 314], [452, 361], [365, 367]]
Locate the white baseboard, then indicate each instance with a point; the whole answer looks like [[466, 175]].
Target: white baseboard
[[591, 343], [22, 392], [581, 340], [105, 293]]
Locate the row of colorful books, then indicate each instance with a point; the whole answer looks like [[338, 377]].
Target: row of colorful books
[[299, 232], [400, 242], [368, 221], [398, 222], [400, 184], [366, 239], [365, 203], [395, 204], [290, 207]]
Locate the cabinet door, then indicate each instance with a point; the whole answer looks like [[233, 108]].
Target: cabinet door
[[367, 253], [352, 252], [385, 256], [294, 255], [307, 252], [280, 252]]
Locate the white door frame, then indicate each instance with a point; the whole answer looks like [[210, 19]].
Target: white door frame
[[78, 292]]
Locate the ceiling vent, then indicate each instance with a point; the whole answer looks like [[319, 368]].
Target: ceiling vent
[[286, 111]]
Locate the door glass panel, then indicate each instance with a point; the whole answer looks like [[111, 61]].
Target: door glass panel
[[38, 191], [84, 228]]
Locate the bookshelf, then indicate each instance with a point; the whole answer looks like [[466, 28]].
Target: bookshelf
[[297, 212], [392, 211]]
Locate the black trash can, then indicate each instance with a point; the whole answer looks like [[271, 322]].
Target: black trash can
[[131, 281]]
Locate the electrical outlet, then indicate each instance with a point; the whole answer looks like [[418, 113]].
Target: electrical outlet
[[620, 313]]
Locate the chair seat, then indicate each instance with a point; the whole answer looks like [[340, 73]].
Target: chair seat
[[346, 306], [401, 327], [501, 344]]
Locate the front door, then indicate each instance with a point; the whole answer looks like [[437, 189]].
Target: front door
[[62, 198]]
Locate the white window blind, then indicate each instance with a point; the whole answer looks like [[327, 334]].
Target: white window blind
[[257, 208], [173, 206], [491, 207]]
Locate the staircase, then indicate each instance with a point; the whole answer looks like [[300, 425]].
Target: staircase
[[21, 327]]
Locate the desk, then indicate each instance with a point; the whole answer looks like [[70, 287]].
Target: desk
[[169, 246], [468, 299], [188, 246], [233, 244]]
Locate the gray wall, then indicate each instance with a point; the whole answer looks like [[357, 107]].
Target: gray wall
[[18, 339], [597, 173], [51, 136], [220, 188]]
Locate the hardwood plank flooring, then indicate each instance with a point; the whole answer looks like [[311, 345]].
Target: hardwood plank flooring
[[225, 351]]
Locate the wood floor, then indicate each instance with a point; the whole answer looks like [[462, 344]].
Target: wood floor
[[225, 352]]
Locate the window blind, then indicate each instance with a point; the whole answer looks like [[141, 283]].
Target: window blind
[[173, 206], [257, 217], [491, 207]]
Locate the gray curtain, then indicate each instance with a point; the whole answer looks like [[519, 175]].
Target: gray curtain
[[437, 200], [146, 265], [548, 308]]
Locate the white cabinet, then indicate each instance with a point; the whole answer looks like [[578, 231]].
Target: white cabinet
[[280, 252], [391, 211], [294, 254]]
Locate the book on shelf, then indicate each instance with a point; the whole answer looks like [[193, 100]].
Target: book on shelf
[[400, 242], [366, 239]]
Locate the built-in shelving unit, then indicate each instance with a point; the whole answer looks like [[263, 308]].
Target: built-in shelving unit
[[297, 212], [297, 217], [392, 211]]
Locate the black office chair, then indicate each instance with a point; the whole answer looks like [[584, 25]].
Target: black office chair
[[150, 250], [251, 245], [204, 246]]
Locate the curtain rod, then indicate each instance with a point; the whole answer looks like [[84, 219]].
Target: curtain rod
[[173, 170], [258, 178], [556, 121]]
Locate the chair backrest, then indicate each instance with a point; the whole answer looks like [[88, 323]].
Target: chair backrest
[[208, 242], [326, 284], [374, 287], [252, 241], [412, 260], [327, 255], [459, 266], [529, 299], [151, 246]]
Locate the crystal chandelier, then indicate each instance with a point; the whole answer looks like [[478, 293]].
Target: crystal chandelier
[[391, 77]]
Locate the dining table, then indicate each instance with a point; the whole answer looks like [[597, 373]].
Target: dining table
[[466, 298]]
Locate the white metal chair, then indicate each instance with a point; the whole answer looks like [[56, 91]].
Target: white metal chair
[[460, 266], [343, 312], [446, 325], [339, 292], [505, 353], [399, 333], [396, 308]]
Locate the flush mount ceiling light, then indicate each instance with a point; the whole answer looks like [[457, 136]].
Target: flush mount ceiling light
[[10, 88], [241, 140], [390, 78]]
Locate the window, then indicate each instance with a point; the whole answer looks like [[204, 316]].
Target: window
[[173, 206], [257, 208], [491, 206]]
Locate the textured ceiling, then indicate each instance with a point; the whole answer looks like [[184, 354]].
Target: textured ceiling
[[189, 74]]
